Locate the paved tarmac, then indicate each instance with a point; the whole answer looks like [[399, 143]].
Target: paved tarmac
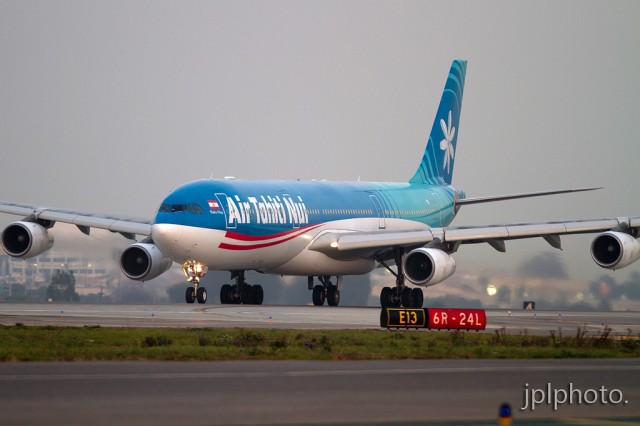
[[313, 392], [409, 392], [299, 317]]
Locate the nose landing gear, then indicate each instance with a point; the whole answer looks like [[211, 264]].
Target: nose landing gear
[[194, 271]]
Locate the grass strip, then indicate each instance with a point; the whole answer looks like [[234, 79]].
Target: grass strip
[[20, 343]]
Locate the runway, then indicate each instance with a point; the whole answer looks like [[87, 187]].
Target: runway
[[411, 392], [317, 392], [299, 317]]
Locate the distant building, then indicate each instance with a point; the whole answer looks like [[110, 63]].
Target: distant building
[[92, 275], [4, 265]]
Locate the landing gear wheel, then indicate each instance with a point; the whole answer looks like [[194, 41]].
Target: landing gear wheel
[[241, 292], [319, 295], [396, 298], [246, 295], [190, 295], [257, 294], [333, 296], [407, 297], [225, 292], [385, 297], [418, 297], [235, 295], [201, 295]]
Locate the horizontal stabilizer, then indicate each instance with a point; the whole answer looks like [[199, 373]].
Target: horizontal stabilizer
[[479, 200]]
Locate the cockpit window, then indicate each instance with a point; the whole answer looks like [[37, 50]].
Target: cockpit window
[[180, 208]]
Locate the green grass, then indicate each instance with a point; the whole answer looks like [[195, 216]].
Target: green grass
[[20, 343]]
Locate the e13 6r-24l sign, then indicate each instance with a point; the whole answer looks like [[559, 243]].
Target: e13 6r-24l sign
[[434, 318]]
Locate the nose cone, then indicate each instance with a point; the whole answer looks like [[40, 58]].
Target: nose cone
[[168, 238]]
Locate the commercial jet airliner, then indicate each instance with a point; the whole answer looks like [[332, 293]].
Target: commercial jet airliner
[[322, 230]]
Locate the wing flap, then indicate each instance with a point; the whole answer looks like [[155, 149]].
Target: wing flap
[[125, 227], [17, 209], [586, 226], [514, 231], [353, 241], [540, 229], [532, 230], [334, 242], [473, 233]]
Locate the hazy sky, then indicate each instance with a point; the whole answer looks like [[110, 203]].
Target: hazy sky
[[106, 106]]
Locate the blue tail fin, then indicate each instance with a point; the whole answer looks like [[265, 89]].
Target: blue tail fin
[[439, 155]]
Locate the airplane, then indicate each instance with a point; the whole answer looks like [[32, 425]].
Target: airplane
[[321, 229]]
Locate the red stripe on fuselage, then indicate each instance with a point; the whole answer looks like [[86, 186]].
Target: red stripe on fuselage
[[296, 233], [245, 237]]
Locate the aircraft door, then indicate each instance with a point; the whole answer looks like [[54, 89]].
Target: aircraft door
[[438, 201], [379, 211], [230, 210]]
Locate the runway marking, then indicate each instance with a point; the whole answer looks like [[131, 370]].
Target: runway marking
[[295, 317], [310, 373]]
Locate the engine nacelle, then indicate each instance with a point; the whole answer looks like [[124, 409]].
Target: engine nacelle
[[615, 250], [26, 239], [143, 261], [428, 266]]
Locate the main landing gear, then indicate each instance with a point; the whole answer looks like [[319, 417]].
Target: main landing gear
[[241, 292], [325, 290], [400, 295], [194, 272]]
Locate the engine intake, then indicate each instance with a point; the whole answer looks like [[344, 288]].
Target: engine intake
[[143, 261], [24, 240], [615, 250], [428, 266]]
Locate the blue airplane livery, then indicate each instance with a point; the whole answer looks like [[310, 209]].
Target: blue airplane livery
[[321, 230]]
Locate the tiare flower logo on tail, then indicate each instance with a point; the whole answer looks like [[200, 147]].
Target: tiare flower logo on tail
[[446, 144]]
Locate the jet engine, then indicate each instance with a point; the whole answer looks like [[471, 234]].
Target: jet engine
[[428, 266], [615, 250], [143, 261], [26, 239]]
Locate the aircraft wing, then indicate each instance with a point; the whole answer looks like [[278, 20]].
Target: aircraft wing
[[350, 244], [127, 226]]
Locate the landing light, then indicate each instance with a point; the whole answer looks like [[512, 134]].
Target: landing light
[[334, 244], [492, 290], [192, 269]]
